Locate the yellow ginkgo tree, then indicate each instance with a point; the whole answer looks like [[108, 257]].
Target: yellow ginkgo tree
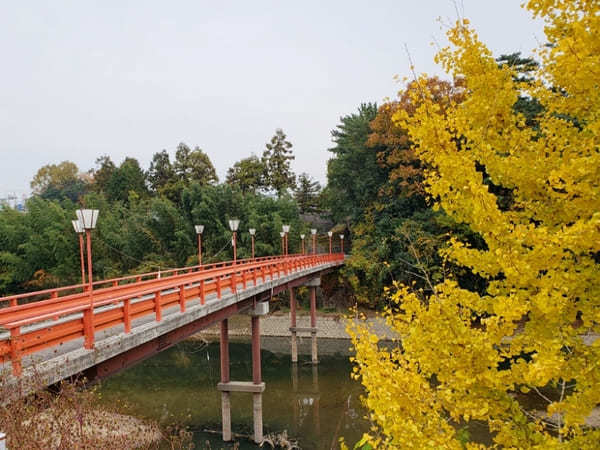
[[522, 356]]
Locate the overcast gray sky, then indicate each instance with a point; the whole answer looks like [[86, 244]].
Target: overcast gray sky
[[79, 79]]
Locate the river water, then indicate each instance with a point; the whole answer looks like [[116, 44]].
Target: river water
[[315, 405]]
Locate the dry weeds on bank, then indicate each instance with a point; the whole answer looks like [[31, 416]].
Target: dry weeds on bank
[[70, 416]]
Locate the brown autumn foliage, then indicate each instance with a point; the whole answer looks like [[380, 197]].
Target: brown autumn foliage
[[405, 169]]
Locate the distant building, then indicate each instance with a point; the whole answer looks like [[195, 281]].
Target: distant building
[[11, 200]]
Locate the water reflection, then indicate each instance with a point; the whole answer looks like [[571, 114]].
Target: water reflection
[[315, 404]]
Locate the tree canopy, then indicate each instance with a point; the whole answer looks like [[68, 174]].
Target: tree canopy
[[277, 158], [248, 174], [526, 338], [194, 165]]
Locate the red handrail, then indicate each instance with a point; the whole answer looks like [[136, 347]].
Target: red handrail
[[152, 296], [13, 300]]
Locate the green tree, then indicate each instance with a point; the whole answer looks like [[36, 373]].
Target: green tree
[[307, 194], [54, 176], [277, 158], [103, 172], [248, 174], [194, 165], [161, 171], [353, 174], [128, 177]]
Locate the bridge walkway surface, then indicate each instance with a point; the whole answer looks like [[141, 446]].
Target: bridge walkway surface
[[55, 334]]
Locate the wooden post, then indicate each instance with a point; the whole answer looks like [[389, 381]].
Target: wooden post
[[88, 328], [182, 298], [127, 314], [15, 350], [157, 306]]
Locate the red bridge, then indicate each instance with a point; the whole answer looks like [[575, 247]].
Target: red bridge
[[72, 330]]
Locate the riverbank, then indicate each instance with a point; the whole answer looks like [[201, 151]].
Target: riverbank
[[277, 324]]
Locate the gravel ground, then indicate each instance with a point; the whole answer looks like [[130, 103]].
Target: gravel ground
[[330, 326]]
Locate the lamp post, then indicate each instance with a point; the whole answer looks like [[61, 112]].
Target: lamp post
[[252, 232], [342, 242], [88, 218], [302, 236], [330, 233], [286, 230], [199, 230], [78, 227], [233, 226], [282, 234], [313, 231]]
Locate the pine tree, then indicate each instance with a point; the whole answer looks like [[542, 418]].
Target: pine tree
[[161, 171], [307, 194], [276, 158]]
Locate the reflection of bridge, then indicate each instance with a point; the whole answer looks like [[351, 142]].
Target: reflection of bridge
[[66, 331]]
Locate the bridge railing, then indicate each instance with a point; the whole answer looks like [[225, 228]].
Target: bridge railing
[[59, 292], [38, 326]]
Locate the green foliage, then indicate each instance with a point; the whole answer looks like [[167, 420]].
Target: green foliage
[[54, 175], [141, 234], [307, 194], [248, 174], [277, 157], [103, 172], [161, 171], [59, 182], [194, 166], [353, 175], [128, 177]]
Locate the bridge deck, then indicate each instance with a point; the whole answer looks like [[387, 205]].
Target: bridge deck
[[136, 320]]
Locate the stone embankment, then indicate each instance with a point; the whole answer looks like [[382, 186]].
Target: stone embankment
[[332, 326]]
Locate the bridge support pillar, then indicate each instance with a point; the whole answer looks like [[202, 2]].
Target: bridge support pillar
[[313, 284], [257, 380], [256, 387], [225, 395], [293, 325]]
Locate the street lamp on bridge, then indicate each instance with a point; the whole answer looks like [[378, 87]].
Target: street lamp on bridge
[[330, 233], [199, 230], [88, 218], [282, 234], [233, 226], [78, 227], [342, 243], [302, 236], [252, 232], [286, 230], [313, 231]]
